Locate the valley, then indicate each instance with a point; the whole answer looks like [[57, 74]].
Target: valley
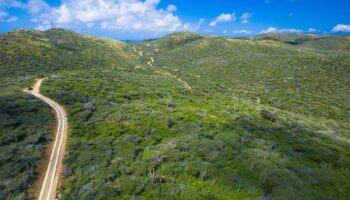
[[179, 117]]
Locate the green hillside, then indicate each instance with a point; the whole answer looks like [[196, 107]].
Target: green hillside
[[317, 42], [292, 79], [185, 116], [26, 123]]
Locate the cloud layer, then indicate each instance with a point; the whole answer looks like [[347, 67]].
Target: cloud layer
[[131, 16], [122, 15]]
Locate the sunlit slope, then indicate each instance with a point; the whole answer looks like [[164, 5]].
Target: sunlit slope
[[293, 79], [26, 123], [27, 52], [150, 137], [144, 135], [317, 42], [262, 118]]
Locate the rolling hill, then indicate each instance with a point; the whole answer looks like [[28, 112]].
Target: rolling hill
[[316, 42], [185, 116]]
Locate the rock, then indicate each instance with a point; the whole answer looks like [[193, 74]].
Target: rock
[[267, 115]]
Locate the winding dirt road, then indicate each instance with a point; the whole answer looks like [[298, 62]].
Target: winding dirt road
[[49, 185]]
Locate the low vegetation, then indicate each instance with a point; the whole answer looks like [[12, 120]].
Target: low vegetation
[[263, 118], [25, 122]]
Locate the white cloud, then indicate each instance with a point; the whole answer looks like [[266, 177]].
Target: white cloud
[[11, 19], [341, 28], [200, 23], [12, 4], [242, 32], [5, 4], [3, 14], [290, 30], [171, 8], [37, 6], [224, 17], [275, 30], [312, 30], [122, 15], [245, 17], [4, 17], [270, 30]]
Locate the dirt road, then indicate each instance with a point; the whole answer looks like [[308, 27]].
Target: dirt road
[[49, 185]]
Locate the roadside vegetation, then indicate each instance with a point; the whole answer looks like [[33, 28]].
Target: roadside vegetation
[[263, 118], [26, 124]]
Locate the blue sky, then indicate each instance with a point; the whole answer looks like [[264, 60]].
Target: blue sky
[[140, 19]]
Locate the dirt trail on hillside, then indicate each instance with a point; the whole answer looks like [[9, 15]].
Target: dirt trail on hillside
[[51, 176], [184, 83]]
